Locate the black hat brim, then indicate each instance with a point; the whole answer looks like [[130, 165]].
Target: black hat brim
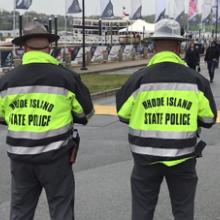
[[175, 38], [21, 40]]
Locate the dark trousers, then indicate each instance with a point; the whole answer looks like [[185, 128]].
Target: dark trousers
[[211, 69], [145, 185], [28, 180]]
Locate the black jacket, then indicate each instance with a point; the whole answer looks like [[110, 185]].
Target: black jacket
[[211, 54], [192, 57]]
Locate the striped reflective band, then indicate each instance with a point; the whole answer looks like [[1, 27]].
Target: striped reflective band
[[166, 86], [41, 135], [160, 152], [207, 120], [34, 89], [82, 115], [39, 149], [162, 134], [88, 116]]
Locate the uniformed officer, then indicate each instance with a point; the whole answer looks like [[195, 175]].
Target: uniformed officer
[[164, 105], [39, 102]]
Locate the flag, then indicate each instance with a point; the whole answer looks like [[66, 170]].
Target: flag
[[23, 4], [125, 12], [193, 10], [215, 6], [206, 11], [73, 7], [179, 11], [107, 9], [160, 9], [136, 9]]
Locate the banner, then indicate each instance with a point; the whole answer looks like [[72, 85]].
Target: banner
[[160, 9], [73, 7], [128, 53], [6, 58], [100, 55], [193, 10], [179, 11], [107, 9], [23, 4], [136, 9], [114, 53]]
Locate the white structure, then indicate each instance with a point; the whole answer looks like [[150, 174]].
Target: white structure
[[139, 26]]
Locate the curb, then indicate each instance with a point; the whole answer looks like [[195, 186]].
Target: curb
[[103, 94], [108, 69]]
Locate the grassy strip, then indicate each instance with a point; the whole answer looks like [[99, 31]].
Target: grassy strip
[[100, 82]]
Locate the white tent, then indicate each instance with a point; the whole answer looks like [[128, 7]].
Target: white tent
[[139, 26]]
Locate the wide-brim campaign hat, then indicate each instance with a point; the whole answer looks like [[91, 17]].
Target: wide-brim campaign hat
[[34, 29], [168, 29]]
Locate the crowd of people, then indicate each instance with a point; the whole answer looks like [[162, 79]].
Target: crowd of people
[[211, 57]]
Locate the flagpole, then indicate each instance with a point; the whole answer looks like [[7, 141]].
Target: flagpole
[[83, 67], [65, 26], [14, 25], [216, 22]]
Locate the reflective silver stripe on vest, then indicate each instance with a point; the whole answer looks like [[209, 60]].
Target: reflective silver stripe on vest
[[39, 149], [88, 116], [169, 86], [40, 135], [162, 134], [160, 152], [166, 86], [34, 89], [207, 120], [79, 115]]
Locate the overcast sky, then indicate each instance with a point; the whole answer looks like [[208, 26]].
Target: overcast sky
[[92, 6]]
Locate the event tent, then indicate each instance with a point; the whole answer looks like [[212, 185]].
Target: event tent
[[139, 26]]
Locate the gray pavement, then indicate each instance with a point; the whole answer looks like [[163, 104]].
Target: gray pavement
[[111, 66], [103, 172]]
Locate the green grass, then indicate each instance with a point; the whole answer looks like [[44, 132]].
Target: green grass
[[100, 82]]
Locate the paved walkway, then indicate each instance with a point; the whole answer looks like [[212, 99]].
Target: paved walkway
[[106, 67]]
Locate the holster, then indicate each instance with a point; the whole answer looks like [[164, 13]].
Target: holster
[[199, 148], [76, 137]]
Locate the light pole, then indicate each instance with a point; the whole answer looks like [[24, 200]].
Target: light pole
[[83, 67], [216, 21], [55, 30]]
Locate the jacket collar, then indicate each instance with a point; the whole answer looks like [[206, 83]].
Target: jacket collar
[[38, 57], [166, 56]]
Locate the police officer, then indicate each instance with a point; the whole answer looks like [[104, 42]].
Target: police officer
[[39, 102], [164, 105]]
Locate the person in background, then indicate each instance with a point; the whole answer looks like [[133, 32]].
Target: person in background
[[39, 102], [192, 56], [212, 57], [164, 105]]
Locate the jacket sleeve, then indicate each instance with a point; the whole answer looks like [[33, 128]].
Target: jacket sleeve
[[82, 107], [2, 115], [207, 113], [125, 97]]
